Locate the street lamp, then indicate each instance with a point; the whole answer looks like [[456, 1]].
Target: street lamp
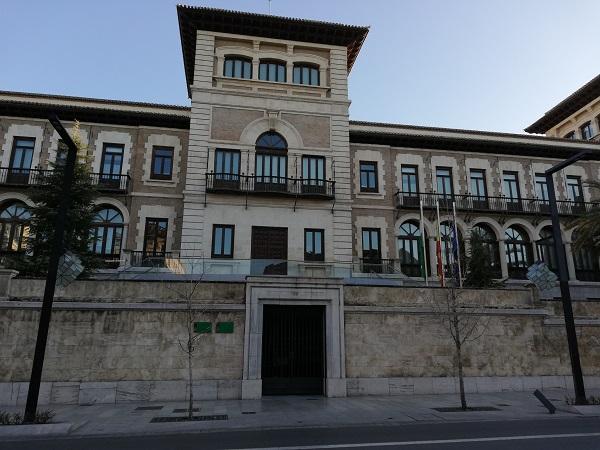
[[57, 250], [563, 277]]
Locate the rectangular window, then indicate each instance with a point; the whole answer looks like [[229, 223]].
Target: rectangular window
[[443, 177], [155, 236], [162, 163], [112, 161], [586, 131], [541, 187], [478, 186], [314, 248], [371, 245], [510, 189], [22, 154], [227, 166], [574, 190], [236, 67], [272, 71], [304, 74], [271, 172], [570, 135], [368, 176], [222, 239], [410, 180], [313, 174]]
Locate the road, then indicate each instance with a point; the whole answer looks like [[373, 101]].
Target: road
[[579, 433]]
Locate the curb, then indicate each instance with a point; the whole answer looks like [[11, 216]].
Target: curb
[[49, 429]]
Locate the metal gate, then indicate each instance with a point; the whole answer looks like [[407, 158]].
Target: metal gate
[[293, 350]]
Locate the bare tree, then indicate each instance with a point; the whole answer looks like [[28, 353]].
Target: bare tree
[[185, 290], [464, 321]]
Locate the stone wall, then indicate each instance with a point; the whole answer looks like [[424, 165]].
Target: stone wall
[[396, 342]]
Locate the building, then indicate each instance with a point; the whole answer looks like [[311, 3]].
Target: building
[[265, 177]]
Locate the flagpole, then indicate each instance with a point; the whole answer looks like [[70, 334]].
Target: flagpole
[[422, 226], [457, 244], [440, 261]]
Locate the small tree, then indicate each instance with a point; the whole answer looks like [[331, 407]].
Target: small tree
[[46, 197], [465, 322], [480, 271]]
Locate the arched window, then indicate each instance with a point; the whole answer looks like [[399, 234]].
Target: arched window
[[518, 252], [271, 162], [546, 250], [14, 227], [237, 67], [412, 258], [586, 259], [447, 249], [272, 70], [486, 235], [107, 232], [305, 73]]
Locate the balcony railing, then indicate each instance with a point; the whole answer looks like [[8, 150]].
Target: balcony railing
[[534, 206], [379, 266], [253, 184], [29, 177], [111, 183], [151, 259], [21, 177]]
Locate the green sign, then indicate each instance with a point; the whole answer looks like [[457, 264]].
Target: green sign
[[202, 327], [224, 327]]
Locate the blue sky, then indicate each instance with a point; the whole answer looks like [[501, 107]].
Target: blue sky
[[481, 64]]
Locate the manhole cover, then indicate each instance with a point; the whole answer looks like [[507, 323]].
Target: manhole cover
[[148, 408], [185, 419]]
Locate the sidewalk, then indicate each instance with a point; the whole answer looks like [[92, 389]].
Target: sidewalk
[[302, 411]]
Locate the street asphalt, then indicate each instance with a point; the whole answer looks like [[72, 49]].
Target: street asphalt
[[577, 432]]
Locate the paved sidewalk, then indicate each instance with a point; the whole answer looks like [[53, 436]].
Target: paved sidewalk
[[303, 411]]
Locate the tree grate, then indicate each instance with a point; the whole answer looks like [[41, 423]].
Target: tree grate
[[186, 419]]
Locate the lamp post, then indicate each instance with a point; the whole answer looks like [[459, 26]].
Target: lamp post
[[563, 276], [57, 250]]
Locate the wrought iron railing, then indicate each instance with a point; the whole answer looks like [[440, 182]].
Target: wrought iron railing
[[490, 204], [255, 184], [111, 183], [378, 265], [28, 177], [21, 177]]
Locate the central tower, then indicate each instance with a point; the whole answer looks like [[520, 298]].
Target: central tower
[[268, 167]]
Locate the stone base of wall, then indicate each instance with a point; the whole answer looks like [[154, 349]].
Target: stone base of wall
[[449, 385], [87, 393]]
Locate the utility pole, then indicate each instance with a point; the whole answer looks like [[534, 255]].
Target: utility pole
[[57, 251], [563, 276]]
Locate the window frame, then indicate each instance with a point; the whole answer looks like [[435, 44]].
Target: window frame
[[278, 63], [586, 128], [543, 186], [518, 188], [12, 154], [410, 192], [570, 135], [233, 59], [314, 257], [449, 177], [222, 254], [154, 252], [375, 171], [100, 231], [229, 172], [301, 66], [371, 230], [483, 180], [161, 176], [111, 174]]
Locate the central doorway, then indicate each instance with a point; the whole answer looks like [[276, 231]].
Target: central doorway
[[293, 350]]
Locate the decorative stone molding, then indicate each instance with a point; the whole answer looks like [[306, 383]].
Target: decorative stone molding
[[23, 130], [112, 137], [162, 140], [155, 211], [369, 155]]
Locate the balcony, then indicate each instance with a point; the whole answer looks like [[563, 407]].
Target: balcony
[[32, 177], [221, 183], [496, 205], [21, 177], [118, 184]]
